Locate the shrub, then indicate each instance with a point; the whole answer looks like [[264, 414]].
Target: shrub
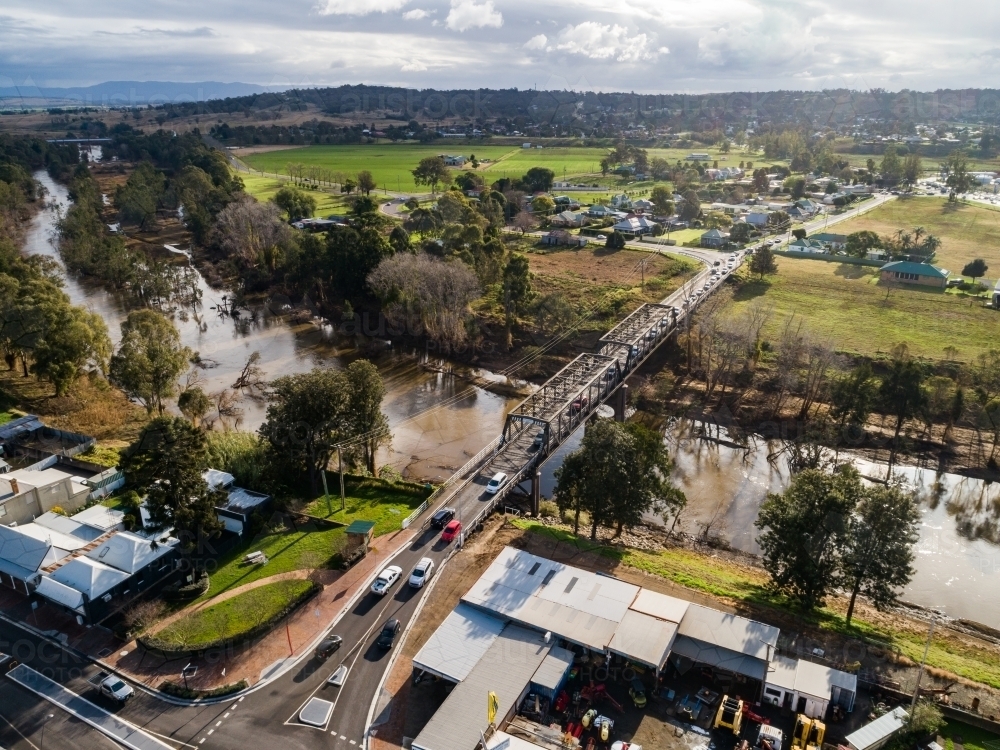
[[241, 454], [188, 591], [179, 691], [548, 508]]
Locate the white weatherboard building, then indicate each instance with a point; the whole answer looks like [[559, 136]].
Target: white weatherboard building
[[520, 626]]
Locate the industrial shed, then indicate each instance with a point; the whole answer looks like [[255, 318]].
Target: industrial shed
[[809, 688]]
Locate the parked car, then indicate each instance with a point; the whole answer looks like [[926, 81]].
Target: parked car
[[539, 441], [328, 646], [115, 688], [388, 635], [494, 485], [386, 579], [440, 519], [602, 237], [422, 572], [451, 531], [580, 403]]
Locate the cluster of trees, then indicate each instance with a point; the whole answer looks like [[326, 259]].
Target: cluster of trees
[[620, 472], [898, 245], [830, 531], [40, 331]]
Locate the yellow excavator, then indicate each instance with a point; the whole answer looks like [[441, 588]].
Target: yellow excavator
[[729, 715], [808, 734]]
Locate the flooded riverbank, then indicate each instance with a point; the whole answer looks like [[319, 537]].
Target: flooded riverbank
[[439, 419]]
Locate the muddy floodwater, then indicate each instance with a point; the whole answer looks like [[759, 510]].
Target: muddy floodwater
[[439, 421]]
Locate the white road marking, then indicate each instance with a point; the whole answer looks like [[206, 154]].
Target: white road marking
[[343, 737], [353, 742], [210, 731], [225, 715], [218, 723]]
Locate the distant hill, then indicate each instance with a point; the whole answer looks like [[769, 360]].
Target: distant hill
[[127, 93]]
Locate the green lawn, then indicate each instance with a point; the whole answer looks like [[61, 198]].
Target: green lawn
[[845, 305], [742, 584], [967, 736], [5, 416], [264, 188], [390, 163], [234, 616], [966, 230], [368, 500], [100, 455], [304, 548]]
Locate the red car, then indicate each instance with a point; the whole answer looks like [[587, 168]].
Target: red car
[[451, 531]]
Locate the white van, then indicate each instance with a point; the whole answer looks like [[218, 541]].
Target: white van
[[496, 482]]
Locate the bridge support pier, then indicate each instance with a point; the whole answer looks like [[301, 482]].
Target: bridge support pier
[[536, 493], [620, 399]]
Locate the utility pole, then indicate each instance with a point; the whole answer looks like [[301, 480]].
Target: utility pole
[[920, 672], [340, 462]]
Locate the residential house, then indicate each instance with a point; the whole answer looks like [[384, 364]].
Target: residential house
[[234, 505], [561, 237], [714, 238], [808, 206], [454, 160], [756, 219], [642, 205], [27, 493], [807, 245], [569, 219], [636, 226], [909, 272], [597, 211], [621, 202], [835, 242], [697, 156]]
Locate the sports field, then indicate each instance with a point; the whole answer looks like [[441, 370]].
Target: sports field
[[967, 230]]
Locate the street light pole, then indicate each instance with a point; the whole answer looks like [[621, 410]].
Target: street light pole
[[42, 739]]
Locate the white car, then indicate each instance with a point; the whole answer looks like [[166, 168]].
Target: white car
[[386, 579], [116, 689], [421, 572], [496, 483]]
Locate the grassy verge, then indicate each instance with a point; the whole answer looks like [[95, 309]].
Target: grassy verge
[[847, 306], [5, 417], [236, 616], [746, 587], [369, 500], [968, 736], [304, 548]]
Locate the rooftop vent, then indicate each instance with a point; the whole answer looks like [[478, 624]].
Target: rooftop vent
[[534, 568], [571, 584]]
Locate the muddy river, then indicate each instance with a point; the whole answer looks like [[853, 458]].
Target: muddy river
[[439, 420]]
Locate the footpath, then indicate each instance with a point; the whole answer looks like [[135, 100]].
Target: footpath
[[253, 662]]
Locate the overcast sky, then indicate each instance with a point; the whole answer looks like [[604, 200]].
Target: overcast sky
[[625, 45]]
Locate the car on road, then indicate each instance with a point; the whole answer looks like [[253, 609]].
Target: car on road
[[451, 531], [494, 485], [440, 519], [328, 646], [601, 237], [422, 572], [115, 688], [388, 635], [539, 440], [386, 579], [580, 403], [717, 263]]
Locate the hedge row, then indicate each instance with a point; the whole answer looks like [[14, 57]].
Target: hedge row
[[179, 691], [166, 648]]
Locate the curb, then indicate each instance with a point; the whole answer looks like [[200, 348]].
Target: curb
[[190, 702], [398, 651]]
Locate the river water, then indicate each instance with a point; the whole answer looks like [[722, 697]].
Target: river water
[[430, 440], [435, 432]]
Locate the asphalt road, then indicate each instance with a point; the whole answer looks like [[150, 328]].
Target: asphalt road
[[267, 717]]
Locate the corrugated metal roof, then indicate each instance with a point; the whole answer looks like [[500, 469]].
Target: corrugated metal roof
[[50, 536], [731, 632], [575, 604], [506, 669], [89, 577], [458, 643], [781, 673], [25, 551], [100, 516], [130, 552], [659, 605], [920, 269], [717, 656], [553, 668], [69, 526], [818, 680], [884, 726], [643, 638], [60, 593]]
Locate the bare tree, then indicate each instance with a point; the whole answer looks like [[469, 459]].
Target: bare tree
[[251, 231], [525, 222], [426, 296], [251, 378], [819, 357]]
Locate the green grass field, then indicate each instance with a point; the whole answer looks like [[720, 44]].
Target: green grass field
[[844, 304], [368, 500], [264, 188], [5, 416], [234, 616], [967, 230], [303, 548], [390, 163]]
